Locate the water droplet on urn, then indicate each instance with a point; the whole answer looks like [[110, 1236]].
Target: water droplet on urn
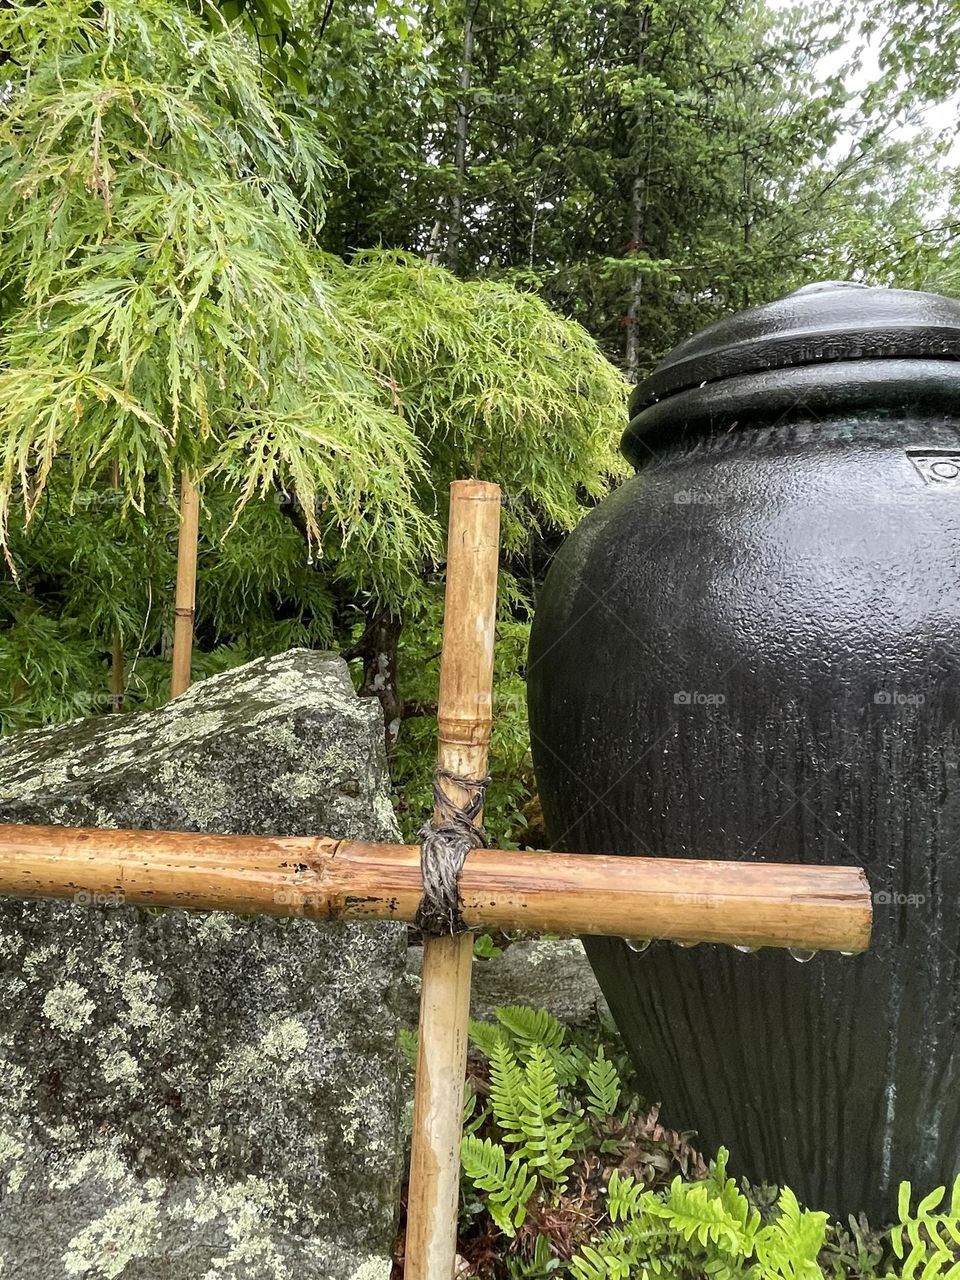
[[848, 953], [638, 944], [686, 944], [747, 951], [800, 955]]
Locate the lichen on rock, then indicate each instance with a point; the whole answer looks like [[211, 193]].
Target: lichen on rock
[[201, 1097]]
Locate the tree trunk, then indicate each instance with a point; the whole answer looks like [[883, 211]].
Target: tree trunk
[[638, 197], [378, 648], [747, 223], [631, 358], [455, 223]]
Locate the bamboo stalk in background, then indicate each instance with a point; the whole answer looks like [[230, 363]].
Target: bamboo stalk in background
[[464, 717], [116, 674], [116, 661], [186, 591], [756, 904]]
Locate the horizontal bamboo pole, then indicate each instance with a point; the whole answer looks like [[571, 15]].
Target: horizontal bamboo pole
[[756, 904]]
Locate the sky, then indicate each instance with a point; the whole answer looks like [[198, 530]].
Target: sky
[[939, 117]]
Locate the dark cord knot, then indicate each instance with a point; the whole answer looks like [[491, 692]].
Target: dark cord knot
[[444, 845]]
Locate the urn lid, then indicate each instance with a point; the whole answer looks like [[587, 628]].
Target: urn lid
[[847, 345]]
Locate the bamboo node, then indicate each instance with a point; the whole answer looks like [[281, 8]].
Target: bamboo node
[[464, 733], [444, 845]]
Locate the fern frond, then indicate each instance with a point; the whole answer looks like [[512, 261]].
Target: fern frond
[[485, 1036], [506, 1090], [789, 1246], [603, 1086], [926, 1242], [636, 1250], [546, 1139], [626, 1198], [484, 1162], [531, 1026], [508, 1184], [542, 1262], [570, 1063], [717, 1176], [600, 1263], [700, 1216]]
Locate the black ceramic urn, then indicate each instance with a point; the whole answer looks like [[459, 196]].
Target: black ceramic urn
[[751, 651]]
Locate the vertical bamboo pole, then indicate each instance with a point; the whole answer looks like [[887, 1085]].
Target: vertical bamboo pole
[[185, 601], [464, 720], [116, 674], [116, 661]]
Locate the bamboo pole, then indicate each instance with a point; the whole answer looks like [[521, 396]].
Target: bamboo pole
[[759, 904], [116, 674], [116, 660], [186, 591], [464, 720]]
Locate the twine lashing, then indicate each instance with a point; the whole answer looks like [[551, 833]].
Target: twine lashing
[[444, 845]]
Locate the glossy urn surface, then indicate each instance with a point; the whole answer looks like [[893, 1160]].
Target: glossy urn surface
[[751, 651]]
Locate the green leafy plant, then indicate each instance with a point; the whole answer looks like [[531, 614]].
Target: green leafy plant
[[163, 307], [166, 306], [603, 1086], [549, 1120], [508, 1182], [696, 1228], [485, 947], [926, 1243], [582, 1183]]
